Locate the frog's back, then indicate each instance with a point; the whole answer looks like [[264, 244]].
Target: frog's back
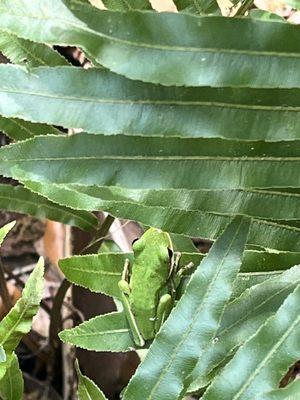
[[150, 273]]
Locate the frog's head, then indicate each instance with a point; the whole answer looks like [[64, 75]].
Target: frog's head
[[155, 241]]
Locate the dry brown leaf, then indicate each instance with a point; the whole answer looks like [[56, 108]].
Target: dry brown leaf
[[14, 294]]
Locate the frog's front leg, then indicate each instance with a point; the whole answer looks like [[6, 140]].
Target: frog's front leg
[[185, 268], [163, 310], [125, 292], [178, 272]]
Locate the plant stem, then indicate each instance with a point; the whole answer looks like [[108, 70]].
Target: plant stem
[[55, 315], [94, 245], [244, 8]]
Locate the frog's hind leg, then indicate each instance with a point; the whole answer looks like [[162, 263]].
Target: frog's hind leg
[[163, 310]]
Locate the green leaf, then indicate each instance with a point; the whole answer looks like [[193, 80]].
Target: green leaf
[[140, 204], [183, 244], [63, 96], [271, 205], [165, 163], [87, 389], [264, 359], [17, 322], [245, 280], [109, 246], [155, 163], [99, 273], [19, 199], [192, 324], [24, 52], [4, 230], [190, 223], [147, 46], [199, 7], [262, 261], [108, 332], [291, 392], [123, 160], [18, 129], [12, 384], [127, 5], [265, 15], [242, 318]]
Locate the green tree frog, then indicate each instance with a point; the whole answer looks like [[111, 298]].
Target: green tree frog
[[148, 288]]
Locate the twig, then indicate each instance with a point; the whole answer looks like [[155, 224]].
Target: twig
[[7, 304], [55, 315], [94, 246]]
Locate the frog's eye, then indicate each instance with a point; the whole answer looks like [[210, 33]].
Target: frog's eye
[[136, 245], [170, 252]]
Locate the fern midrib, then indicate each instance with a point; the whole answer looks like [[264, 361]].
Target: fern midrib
[[130, 102], [78, 334], [93, 271]]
